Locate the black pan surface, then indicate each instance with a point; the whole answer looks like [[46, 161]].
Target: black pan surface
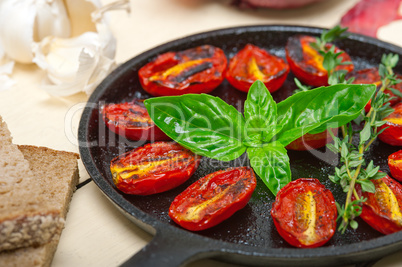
[[249, 236]]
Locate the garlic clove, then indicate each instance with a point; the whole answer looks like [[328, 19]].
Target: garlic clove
[[79, 63], [51, 19], [31, 21], [69, 39], [16, 40], [62, 86], [60, 56], [73, 64], [105, 66], [86, 79], [107, 40]]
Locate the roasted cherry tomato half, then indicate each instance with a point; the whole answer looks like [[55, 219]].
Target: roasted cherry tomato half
[[195, 70], [153, 168], [132, 121], [312, 141], [304, 213], [253, 63], [395, 165], [383, 209], [213, 198], [306, 63], [371, 76], [392, 135]]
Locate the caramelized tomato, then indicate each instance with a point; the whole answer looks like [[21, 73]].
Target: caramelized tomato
[[311, 141], [306, 63], [213, 198], [132, 121], [393, 133], [195, 70], [395, 165], [153, 168], [253, 63], [371, 76], [304, 213], [382, 209]]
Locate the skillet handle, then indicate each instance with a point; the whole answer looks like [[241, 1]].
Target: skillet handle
[[170, 250]]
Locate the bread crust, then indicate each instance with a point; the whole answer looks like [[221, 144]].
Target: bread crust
[[58, 176], [26, 219]]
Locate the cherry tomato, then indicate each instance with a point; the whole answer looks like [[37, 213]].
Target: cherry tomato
[[213, 198], [304, 213], [195, 70], [393, 134], [132, 121], [311, 141], [253, 63], [371, 76], [395, 165], [306, 63], [153, 168], [382, 209]]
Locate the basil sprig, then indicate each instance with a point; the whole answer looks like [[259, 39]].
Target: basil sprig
[[210, 127]]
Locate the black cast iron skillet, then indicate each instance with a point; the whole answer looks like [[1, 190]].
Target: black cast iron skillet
[[249, 236]]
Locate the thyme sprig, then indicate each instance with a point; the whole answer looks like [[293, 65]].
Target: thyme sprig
[[331, 60], [329, 36], [355, 170]]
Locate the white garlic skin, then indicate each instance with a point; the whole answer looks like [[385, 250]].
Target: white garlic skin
[[24, 22]]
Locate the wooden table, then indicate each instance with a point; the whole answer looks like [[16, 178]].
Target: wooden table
[[96, 233]]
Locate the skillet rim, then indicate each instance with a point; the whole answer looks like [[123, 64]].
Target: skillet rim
[[386, 244]]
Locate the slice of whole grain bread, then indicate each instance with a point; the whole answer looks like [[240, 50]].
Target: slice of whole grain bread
[[26, 218], [57, 173], [30, 256]]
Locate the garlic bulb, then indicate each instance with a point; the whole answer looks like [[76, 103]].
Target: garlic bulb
[[31, 21], [77, 64], [69, 39]]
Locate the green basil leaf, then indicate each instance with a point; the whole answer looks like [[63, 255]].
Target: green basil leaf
[[260, 113], [205, 124], [315, 110], [271, 164]]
